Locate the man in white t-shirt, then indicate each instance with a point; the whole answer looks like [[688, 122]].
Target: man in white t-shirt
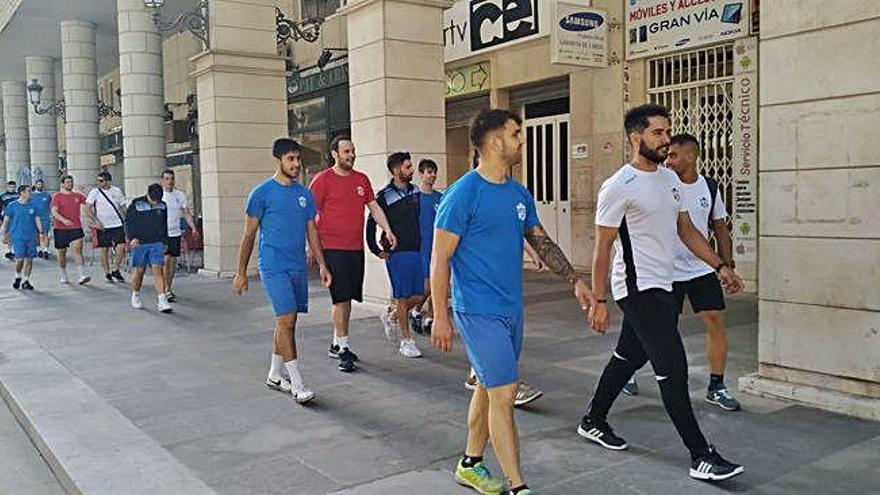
[[178, 208], [106, 207], [693, 278], [640, 214]]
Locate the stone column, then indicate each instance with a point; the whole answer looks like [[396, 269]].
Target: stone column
[[42, 128], [143, 98], [15, 109], [397, 88], [240, 84], [81, 101], [2, 146], [819, 231]]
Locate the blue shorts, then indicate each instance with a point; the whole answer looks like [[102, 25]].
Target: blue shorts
[[24, 248], [151, 253], [287, 290], [405, 272], [493, 345]]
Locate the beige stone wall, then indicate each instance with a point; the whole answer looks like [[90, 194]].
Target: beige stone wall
[[819, 264]]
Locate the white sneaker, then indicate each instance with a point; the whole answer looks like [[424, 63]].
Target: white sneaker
[[163, 306], [392, 328], [408, 349], [136, 302], [301, 394], [84, 280], [280, 384], [63, 278]]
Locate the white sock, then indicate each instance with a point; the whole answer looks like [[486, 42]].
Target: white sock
[[81, 270], [275, 366], [342, 342], [17, 274], [415, 312], [63, 270], [27, 277], [163, 298], [293, 370]]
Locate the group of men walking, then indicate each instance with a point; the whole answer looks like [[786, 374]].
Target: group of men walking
[[467, 246], [150, 226]]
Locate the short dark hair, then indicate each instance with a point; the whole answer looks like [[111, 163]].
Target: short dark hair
[[65, 177], [154, 192], [24, 187], [396, 160], [167, 171], [427, 163], [685, 138], [636, 119], [10, 183], [488, 120], [106, 176], [334, 144], [39, 180], [283, 146]]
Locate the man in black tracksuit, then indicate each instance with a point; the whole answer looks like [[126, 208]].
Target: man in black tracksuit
[[400, 202]]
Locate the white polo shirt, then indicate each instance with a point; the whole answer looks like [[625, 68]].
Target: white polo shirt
[[175, 201], [644, 206], [696, 198]]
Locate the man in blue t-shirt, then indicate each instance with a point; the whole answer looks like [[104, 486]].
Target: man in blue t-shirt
[[8, 196], [283, 212], [421, 317], [479, 233], [21, 226], [41, 200]]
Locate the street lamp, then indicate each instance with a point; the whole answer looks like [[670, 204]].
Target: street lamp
[[286, 30], [195, 21], [55, 108]]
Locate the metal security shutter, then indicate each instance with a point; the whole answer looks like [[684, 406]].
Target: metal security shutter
[[459, 112], [546, 90]]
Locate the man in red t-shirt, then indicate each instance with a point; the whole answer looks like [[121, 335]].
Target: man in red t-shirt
[[66, 207], [340, 194]]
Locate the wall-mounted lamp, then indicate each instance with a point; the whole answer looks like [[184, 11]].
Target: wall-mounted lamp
[[195, 21], [55, 108]]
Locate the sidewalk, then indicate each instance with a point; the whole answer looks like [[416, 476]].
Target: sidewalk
[[186, 392]]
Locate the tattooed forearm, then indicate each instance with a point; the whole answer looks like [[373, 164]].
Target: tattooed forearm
[[553, 257]]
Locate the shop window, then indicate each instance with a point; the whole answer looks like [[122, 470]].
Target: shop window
[[306, 115]]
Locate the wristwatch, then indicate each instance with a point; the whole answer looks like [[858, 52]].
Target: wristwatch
[[720, 266]]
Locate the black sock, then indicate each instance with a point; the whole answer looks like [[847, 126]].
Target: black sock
[[716, 382], [518, 489], [469, 461]]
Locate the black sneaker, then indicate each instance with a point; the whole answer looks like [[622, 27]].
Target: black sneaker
[[346, 361], [601, 433], [27, 285], [118, 276], [335, 352], [723, 399], [10, 256], [109, 278], [713, 467], [17, 283], [415, 323]]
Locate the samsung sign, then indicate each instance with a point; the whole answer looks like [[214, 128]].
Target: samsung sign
[[580, 36], [476, 26]]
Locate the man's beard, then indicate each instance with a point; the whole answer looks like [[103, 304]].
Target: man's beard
[[651, 155]]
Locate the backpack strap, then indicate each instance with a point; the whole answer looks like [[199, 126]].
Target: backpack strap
[[713, 193]]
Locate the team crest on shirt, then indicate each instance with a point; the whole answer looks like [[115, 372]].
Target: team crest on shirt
[[676, 194], [704, 203], [302, 201], [360, 191], [521, 212]]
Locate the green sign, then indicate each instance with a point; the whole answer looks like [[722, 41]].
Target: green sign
[[467, 80]]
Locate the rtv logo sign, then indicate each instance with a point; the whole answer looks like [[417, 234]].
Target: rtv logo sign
[[474, 26]]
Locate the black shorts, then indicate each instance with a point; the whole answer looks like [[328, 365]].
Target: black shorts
[[704, 293], [172, 247], [63, 237], [347, 268], [111, 237]]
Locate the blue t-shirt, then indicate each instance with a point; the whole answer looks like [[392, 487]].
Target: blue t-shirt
[[22, 220], [490, 220], [41, 200], [284, 212], [428, 204]]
